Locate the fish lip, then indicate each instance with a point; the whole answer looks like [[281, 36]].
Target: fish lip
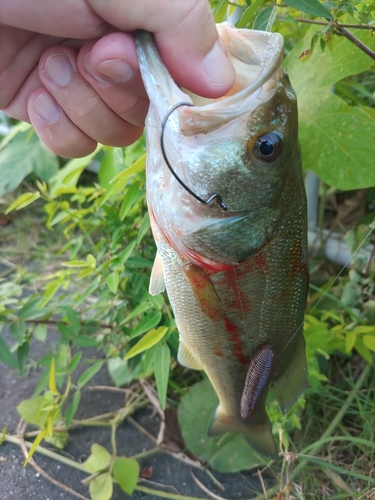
[[160, 85]]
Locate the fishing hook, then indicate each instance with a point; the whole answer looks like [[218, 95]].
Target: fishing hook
[[163, 125]]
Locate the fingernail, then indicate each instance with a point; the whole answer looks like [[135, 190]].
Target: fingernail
[[217, 67], [46, 108], [116, 69], [59, 69]]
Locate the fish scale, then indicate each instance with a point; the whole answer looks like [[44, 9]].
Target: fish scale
[[237, 279]]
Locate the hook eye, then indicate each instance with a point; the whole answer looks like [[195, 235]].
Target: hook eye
[[223, 206]]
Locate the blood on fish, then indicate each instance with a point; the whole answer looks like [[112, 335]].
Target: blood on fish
[[235, 337], [257, 379], [218, 353]]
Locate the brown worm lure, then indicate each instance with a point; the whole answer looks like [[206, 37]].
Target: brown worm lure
[[257, 379]]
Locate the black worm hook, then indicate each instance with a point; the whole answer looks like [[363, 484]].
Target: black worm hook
[[163, 125]]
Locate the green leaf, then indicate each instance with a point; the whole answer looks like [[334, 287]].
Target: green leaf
[[144, 228], [249, 12], [363, 350], [22, 354], [23, 155], [138, 310], [162, 361], [98, 460], [67, 331], [350, 339], [369, 342], [31, 410], [230, 453], [6, 355], [125, 254], [85, 341], [129, 198], [75, 263], [150, 339], [23, 201], [146, 323], [40, 332], [265, 19], [113, 281], [74, 320], [18, 330], [35, 445], [110, 166], [126, 473], [101, 487], [120, 372], [75, 361], [313, 7], [89, 373], [337, 140], [52, 378], [71, 411]]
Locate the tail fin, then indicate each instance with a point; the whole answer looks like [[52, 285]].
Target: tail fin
[[257, 431]]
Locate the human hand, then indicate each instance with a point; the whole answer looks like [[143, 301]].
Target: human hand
[[76, 80]]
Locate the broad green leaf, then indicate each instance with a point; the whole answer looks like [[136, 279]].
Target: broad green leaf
[[128, 200], [91, 261], [144, 228], [337, 140], [22, 354], [162, 361], [313, 7], [71, 411], [101, 487], [6, 355], [230, 453], [42, 384], [249, 12], [67, 331], [98, 460], [265, 19], [126, 473], [150, 339], [369, 341], [23, 155], [146, 323], [113, 281], [89, 373], [18, 330]]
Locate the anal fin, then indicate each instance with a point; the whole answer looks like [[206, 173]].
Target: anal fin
[[186, 358], [257, 431], [291, 384], [157, 283]]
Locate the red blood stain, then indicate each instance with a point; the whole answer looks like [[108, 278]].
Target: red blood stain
[[235, 337], [218, 353]]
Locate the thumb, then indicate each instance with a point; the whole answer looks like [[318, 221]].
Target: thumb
[[185, 35]]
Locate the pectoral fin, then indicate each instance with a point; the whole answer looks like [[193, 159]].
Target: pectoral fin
[[290, 385], [157, 283], [257, 431], [186, 358]]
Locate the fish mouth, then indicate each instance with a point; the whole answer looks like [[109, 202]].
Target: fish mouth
[[257, 58]]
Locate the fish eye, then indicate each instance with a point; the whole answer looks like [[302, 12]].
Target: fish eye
[[268, 147]]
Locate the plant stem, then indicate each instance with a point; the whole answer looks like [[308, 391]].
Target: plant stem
[[357, 42], [47, 453], [322, 23]]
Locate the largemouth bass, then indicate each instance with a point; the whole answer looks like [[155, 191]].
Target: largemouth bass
[[228, 213]]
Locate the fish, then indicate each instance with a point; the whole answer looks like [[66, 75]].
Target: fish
[[227, 206]]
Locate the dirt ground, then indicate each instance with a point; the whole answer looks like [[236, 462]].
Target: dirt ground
[[166, 472]]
